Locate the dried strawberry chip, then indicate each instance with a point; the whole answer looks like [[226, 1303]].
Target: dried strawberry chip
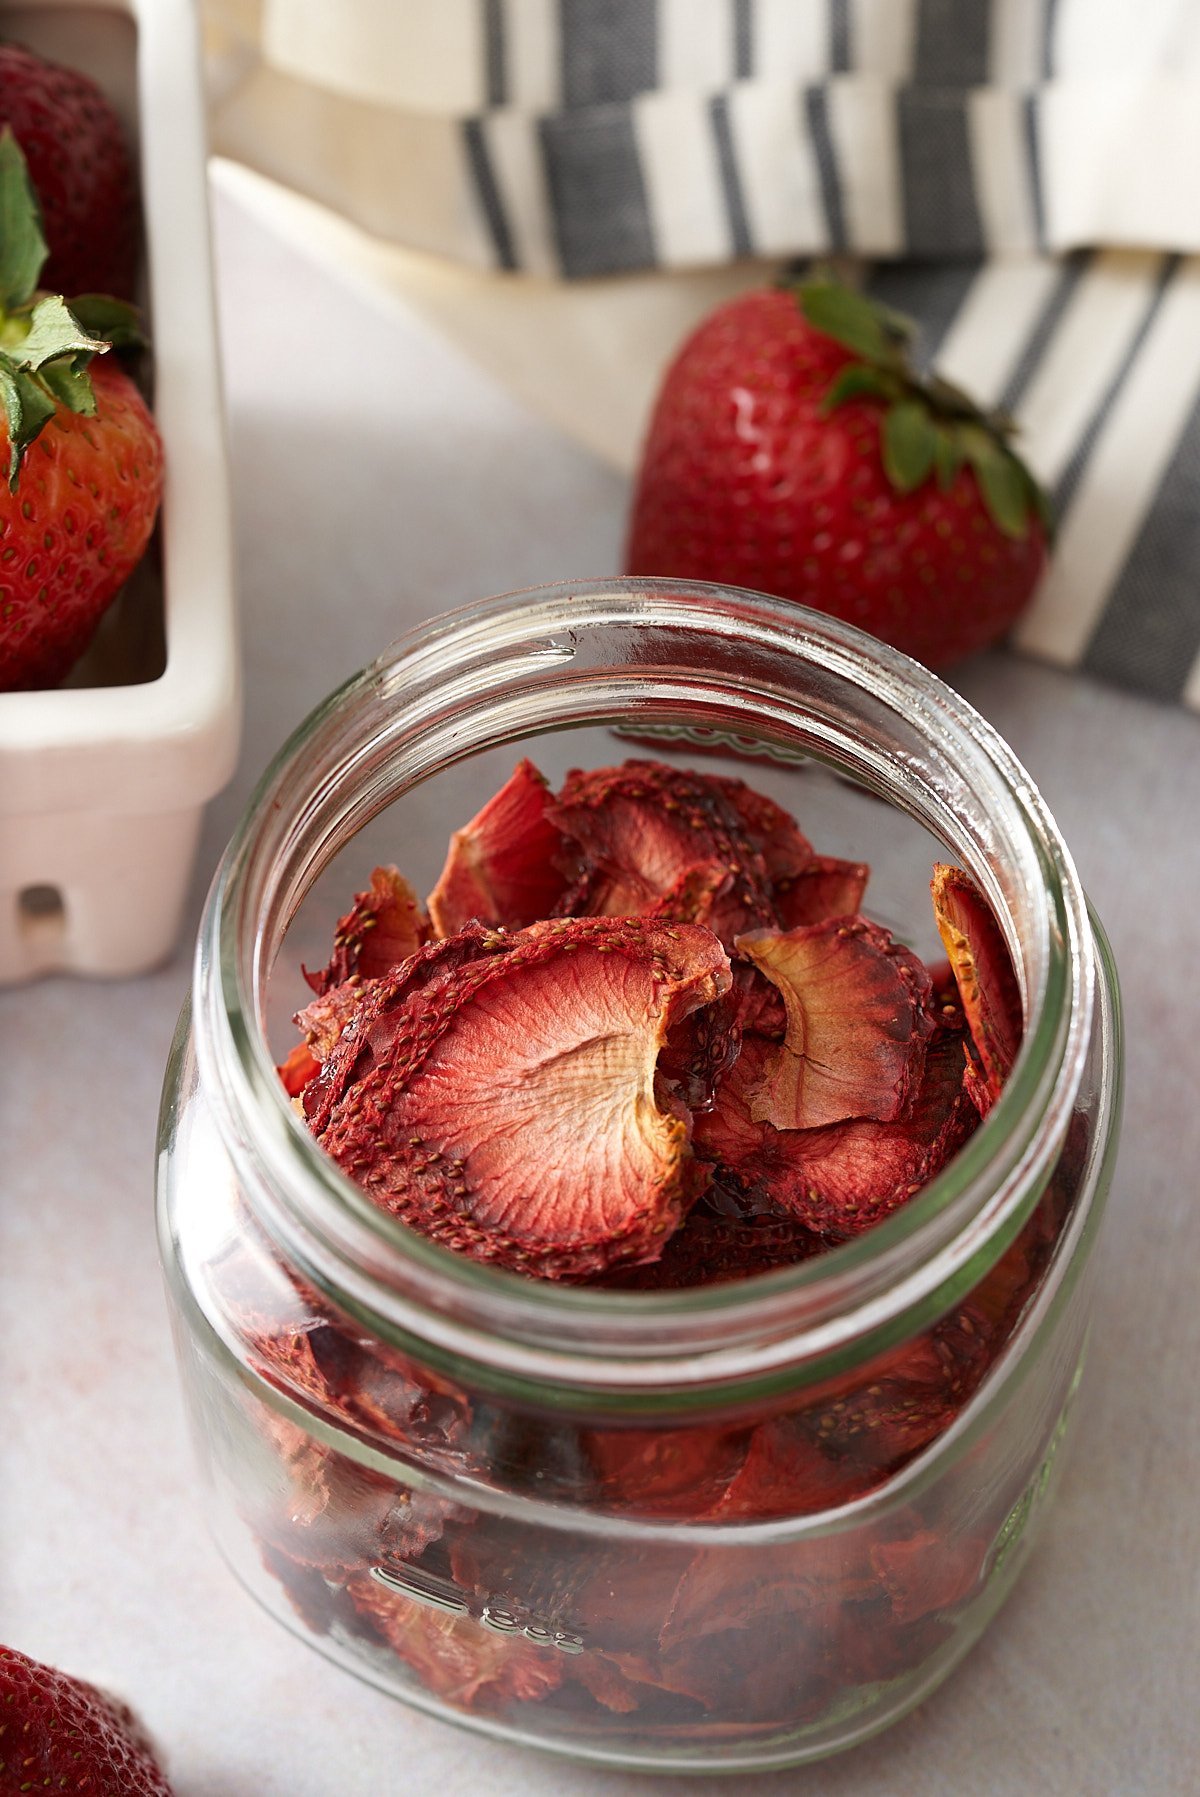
[[843, 1178], [642, 829], [506, 867], [680, 1472], [857, 1024], [876, 1422], [785, 1473], [299, 1067], [771, 831], [928, 1570], [825, 887], [710, 1249], [346, 1027], [457, 1657], [987, 982], [385, 925], [692, 898], [507, 1105]]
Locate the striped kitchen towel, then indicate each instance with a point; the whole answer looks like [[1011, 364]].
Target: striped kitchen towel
[[1021, 175]]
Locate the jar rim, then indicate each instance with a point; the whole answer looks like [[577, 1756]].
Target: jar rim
[[499, 665]]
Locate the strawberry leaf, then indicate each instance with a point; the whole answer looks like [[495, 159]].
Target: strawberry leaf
[[947, 458], [70, 384], [23, 247], [859, 380], [849, 318], [27, 408], [53, 333], [1003, 481], [115, 320], [909, 444]]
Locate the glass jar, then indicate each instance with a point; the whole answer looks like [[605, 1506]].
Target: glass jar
[[732, 1527]]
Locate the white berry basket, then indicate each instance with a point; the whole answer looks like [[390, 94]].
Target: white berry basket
[[103, 782]]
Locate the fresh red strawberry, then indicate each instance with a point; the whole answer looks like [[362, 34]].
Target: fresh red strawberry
[[84, 458], [59, 1734], [75, 148], [793, 450]]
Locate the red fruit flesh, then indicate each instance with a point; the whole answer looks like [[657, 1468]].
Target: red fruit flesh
[[826, 887], [75, 148], [644, 831], [857, 1024], [746, 479], [383, 927], [507, 1107], [60, 1733], [75, 529], [985, 977], [506, 867], [843, 1178]]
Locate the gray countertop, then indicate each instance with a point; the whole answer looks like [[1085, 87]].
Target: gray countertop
[[405, 484]]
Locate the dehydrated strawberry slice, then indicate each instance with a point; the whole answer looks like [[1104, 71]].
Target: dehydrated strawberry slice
[[383, 926], [843, 1178], [299, 1067], [506, 867], [456, 1657], [680, 1472], [692, 898], [987, 982], [710, 1249], [771, 831], [507, 1105], [857, 1024], [825, 887], [643, 829]]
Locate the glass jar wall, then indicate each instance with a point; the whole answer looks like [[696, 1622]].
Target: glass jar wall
[[731, 1527]]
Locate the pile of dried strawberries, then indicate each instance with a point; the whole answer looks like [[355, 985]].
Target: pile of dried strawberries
[[641, 1036]]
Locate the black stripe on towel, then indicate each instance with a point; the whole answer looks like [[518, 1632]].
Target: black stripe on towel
[[1070, 273], [1149, 635], [816, 114], [952, 41], [841, 41], [1030, 106], [731, 184], [487, 192], [941, 215], [743, 40], [495, 75], [609, 50], [597, 194], [1081, 455], [931, 292]]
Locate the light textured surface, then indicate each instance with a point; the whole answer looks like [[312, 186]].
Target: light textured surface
[[1086, 1684]]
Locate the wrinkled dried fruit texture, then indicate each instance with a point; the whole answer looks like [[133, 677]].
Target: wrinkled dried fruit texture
[[986, 980], [660, 1471], [455, 1657], [338, 1517], [385, 925], [502, 1098], [300, 1066], [651, 835], [858, 1019], [826, 887], [509, 866], [845, 1177], [297, 1344], [875, 1422], [710, 1249]]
